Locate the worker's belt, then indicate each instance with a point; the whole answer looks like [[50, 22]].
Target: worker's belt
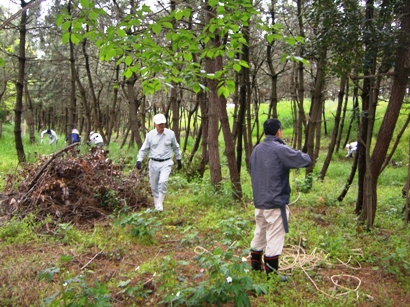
[[160, 160]]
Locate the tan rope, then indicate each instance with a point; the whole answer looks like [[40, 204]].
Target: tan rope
[[295, 257]]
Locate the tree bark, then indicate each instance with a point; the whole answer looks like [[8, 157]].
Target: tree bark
[[213, 146], [332, 144], [72, 109], [29, 114], [399, 86], [18, 110], [133, 107]]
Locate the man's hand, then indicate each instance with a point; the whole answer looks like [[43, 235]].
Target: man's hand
[[139, 165], [179, 164]]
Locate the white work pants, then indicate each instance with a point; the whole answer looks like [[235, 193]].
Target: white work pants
[[269, 232], [158, 176]]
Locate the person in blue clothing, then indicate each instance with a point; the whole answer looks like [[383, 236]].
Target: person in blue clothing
[[270, 163], [75, 136], [161, 143]]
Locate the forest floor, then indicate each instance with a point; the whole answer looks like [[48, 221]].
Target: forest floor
[[140, 269]]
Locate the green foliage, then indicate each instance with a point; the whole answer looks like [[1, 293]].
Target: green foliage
[[110, 199], [74, 291], [137, 291], [142, 225], [304, 185], [233, 228], [21, 231], [142, 46], [228, 281]]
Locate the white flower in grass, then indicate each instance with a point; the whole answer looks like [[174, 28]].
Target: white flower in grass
[[244, 259], [179, 292], [229, 279], [246, 271], [65, 284]]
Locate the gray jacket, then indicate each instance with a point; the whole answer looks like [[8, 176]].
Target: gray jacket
[[270, 163]]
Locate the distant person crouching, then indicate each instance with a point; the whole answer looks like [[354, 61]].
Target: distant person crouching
[[75, 136], [351, 149], [96, 139], [52, 136]]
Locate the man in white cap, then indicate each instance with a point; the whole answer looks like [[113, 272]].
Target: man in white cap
[[96, 139], [160, 142]]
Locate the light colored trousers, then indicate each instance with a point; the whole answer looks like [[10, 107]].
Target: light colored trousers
[[269, 232], [158, 176]]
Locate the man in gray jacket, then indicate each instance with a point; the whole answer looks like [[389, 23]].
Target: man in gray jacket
[[270, 163]]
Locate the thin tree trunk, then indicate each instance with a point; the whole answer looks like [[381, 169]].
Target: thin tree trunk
[[18, 110], [29, 114], [95, 108], [396, 143], [72, 109], [314, 127], [332, 144], [229, 147], [133, 109], [301, 81], [213, 146], [350, 179], [205, 125]]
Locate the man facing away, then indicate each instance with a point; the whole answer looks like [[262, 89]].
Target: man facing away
[[161, 143], [270, 163], [51, 134]]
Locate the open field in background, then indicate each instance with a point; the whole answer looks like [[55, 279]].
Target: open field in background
[[187, 253]]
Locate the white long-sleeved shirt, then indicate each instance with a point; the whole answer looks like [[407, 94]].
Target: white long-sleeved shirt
[[52, 136], [160, 146], [96, 139]]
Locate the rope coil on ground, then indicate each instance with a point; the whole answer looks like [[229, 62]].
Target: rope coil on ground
[[294, 257]]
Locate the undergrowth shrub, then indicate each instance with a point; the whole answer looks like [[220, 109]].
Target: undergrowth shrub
[[21, 230], [228, 282], [74, 290]]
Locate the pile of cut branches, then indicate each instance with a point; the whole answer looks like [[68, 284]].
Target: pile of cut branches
[[74, 188]]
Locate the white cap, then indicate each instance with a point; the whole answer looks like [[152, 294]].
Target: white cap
[[92, 132], [74, 131], [159, 119]]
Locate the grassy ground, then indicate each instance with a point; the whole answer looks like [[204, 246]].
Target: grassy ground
[[189, 253]]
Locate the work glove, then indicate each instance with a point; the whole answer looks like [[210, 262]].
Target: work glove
[[179, 164], [139, 166]]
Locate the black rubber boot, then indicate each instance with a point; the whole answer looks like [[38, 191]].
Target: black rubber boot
[[272, 265], [256, 260]]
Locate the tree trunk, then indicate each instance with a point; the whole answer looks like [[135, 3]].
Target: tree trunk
[[396, 143], [301, 81], [29, 114], [95, 108], [72, 109], [332, 144], [314, 127], [205, 125], [213, 147], [399, 86], [18, 110], [229, 147], [133, 105]]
